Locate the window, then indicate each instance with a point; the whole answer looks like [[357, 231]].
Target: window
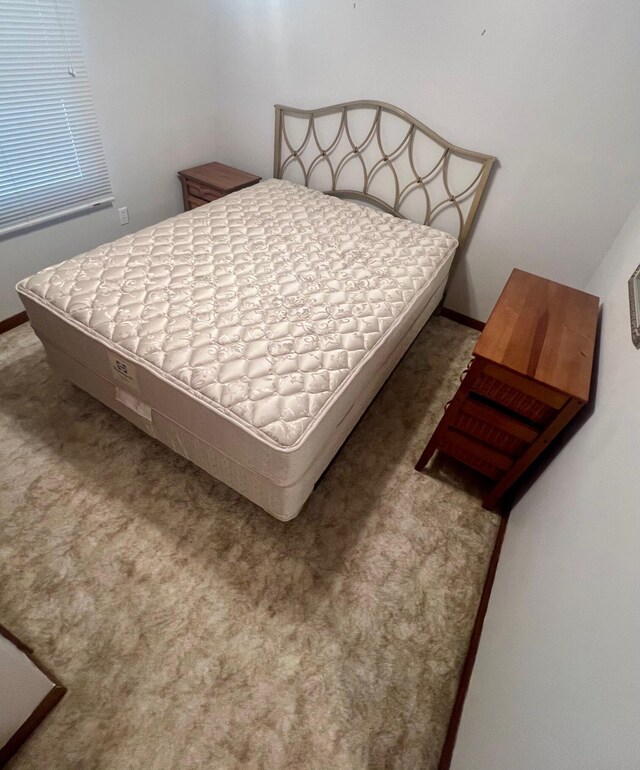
[[51, 158]]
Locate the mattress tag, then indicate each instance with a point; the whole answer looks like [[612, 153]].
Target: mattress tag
[[133, 403], [124, 371]]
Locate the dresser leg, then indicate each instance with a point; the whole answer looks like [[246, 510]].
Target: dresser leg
[[427, 454], [451, 409]]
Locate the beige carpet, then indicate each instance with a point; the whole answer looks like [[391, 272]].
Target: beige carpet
[[195, 631]]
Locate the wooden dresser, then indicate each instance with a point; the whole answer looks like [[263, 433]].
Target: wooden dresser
[[206, 183], [529, 376]]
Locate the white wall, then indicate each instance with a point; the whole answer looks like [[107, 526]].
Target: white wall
[[151, 70], [557, 679], [549, 88]]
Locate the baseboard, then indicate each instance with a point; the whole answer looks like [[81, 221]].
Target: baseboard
[[467, 668], [13, 321], [460, 318]]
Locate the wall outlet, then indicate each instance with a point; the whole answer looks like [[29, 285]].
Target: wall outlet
[[123, 213]]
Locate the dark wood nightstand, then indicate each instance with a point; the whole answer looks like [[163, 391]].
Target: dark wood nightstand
[[206, 183], [529, 376]]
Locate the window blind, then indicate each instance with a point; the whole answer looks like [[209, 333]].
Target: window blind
[[51, 157]]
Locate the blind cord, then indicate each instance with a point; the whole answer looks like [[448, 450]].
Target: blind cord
[[70, 68]]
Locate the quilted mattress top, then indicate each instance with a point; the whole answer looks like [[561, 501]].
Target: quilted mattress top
[[261, 304]]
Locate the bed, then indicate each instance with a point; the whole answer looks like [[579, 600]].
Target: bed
[[250, 334]]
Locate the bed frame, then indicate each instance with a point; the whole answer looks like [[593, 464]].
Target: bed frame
[[308, 155]]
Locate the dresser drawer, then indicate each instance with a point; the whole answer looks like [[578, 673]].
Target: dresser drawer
[[204, 193], [195, 202], [494, 428], [476, 455], [532, 401]]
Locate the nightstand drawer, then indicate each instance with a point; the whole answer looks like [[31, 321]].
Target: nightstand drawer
[[532, 401], [492, 427], [195, 202], [204, 193], [476, 455]]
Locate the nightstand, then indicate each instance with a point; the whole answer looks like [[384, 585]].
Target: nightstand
[[206, 183], [529, 376]]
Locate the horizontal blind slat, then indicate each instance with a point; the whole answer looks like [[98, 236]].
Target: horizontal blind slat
[[64, 203], [51, 157], [29, 181], [13, 227]]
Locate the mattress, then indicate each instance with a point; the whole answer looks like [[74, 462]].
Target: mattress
[[248, 334]]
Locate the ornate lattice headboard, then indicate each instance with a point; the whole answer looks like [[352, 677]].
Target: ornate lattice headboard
[[377, 153]]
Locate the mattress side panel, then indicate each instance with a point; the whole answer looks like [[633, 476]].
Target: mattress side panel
[[150, 388], [283, 503]]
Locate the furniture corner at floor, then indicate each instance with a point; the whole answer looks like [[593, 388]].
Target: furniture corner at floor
[[30, 691], [210, 181], [529, 376]]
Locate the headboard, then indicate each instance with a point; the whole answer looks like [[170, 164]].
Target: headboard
[[348, 149]]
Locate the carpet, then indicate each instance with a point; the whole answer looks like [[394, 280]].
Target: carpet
[[192, 630]]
